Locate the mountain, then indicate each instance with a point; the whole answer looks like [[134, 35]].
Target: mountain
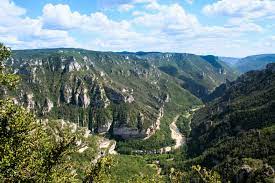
[[145, 101], [104, 91], [234, 133], [198, 74], [256, 62], [231, 61], [124, 94]]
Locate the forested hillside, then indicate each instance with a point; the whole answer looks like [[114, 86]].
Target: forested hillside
[[234, 134], [249, 63], [106, 92], [150, 103], [198, 74], [137, 91], [128, 95], [256, 62]]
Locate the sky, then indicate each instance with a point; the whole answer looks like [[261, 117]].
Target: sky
[[234, 28]]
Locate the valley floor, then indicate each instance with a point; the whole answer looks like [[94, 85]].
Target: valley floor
[[175, 135], [148, 161]]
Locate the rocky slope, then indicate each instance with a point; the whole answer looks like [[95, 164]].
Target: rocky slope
[[234, 133], [119, 93], [198, 74]]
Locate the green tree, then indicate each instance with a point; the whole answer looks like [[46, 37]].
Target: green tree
[[100, 172], [30, 151], [6, 79], [207, 176], [146, 179], [34, 150], [197, 174]]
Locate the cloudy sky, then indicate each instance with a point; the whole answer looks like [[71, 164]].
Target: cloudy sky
[[226, 27]]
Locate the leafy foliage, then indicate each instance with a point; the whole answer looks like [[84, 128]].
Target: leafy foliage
[[239, 124], [6, 79], [128, 168], [28, 150], [34, 150], [183, 124], [196, 174], [207, 176], [100, 172]]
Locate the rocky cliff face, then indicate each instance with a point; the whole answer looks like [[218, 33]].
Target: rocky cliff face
[[107, 92], [47, 107]]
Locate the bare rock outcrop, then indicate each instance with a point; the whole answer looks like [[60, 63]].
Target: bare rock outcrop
[[47, 107]]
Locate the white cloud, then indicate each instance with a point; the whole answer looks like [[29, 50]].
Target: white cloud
[[149, 4], [153, 26], [189, 1], [250, 9], [154, 6], [138, 13], [19, 31], [8, 8], [125, 7], [174, 22], [169, 18], [112, 34], [9, 11], [143, 1], [61, 17]]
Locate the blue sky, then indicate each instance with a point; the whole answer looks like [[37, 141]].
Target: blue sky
[[226, 27]]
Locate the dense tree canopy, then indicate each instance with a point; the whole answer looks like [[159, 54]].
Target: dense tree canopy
[[33, 150], [29, 150]]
